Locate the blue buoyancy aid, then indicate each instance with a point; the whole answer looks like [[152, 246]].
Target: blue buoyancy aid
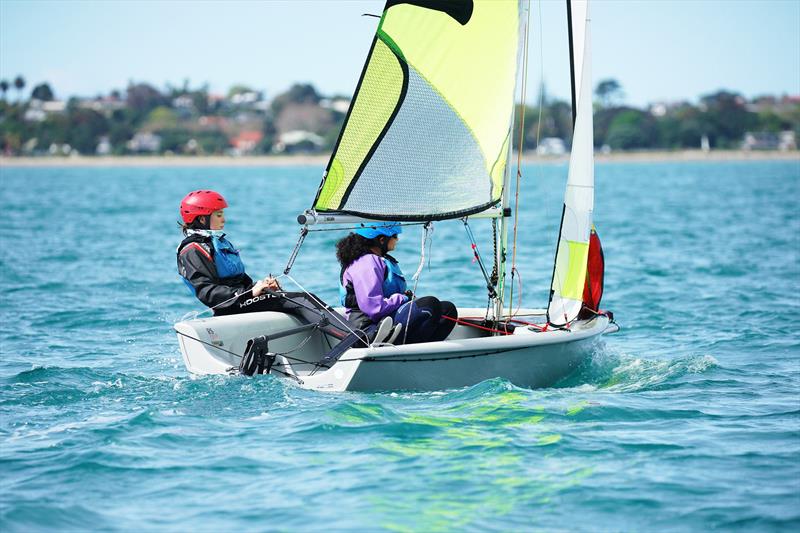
[[394, 282], [226, 258]]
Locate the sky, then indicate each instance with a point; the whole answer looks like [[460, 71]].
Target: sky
[[659, 50]]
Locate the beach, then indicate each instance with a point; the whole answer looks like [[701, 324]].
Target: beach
[[322, 159]]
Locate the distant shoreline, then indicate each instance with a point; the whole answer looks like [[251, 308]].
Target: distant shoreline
[[322, 160]]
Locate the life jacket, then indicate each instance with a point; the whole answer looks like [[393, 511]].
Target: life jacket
[[225, 257], [393, 282]]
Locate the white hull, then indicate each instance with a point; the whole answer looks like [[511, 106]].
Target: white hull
[[528, 358]]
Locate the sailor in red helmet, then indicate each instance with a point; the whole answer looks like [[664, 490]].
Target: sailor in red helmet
[[208, 262], [212, 269]]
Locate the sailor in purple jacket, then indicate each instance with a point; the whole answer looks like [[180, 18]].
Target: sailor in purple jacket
[[373, 287]]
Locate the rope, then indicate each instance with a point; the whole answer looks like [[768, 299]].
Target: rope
[[428, 228], [322, 304], [240, 356], [470, 324], [477, 255], [521, 145]]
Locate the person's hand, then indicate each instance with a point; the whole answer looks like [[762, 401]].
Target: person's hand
[[409, 294], [259, 287], [263, 284]]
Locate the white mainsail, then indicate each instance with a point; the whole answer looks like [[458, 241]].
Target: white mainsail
[[569, 274]]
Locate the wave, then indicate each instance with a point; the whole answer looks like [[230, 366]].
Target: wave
[[612, 371]]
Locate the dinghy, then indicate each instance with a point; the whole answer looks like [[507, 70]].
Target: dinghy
[[427, 138]]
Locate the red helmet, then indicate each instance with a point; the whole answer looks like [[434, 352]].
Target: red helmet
[[198, 203]]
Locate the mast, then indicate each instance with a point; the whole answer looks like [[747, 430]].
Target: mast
[[502, 247], [571, 64]]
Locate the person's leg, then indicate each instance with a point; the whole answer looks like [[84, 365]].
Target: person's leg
[[446, 322], [420, 319], [311, 309], [264, 302], [299, 304]]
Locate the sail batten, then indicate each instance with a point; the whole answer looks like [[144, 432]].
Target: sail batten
[[427, 134]]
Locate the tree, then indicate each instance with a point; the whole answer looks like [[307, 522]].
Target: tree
[[609, 92], [85, 128], [726, 118], [143, 98], [299, 93], [4, 88], [631, 128], [161, 118], [42, 92], [238, 89], [19, 84]]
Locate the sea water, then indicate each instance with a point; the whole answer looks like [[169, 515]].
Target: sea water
[[688, 419]]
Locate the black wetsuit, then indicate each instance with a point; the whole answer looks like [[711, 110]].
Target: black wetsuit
[[232, 295]]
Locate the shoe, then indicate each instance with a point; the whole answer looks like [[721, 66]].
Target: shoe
[[394, 334], [383, 331]]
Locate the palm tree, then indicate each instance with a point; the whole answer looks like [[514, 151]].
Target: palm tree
[[19, 84], [4, 88]]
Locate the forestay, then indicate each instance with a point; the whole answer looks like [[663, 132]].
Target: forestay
[[428, 131], [569, 273]]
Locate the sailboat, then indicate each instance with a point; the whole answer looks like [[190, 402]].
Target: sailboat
[[428, 138]]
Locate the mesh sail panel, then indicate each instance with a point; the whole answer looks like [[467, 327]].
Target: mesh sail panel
[[446, 174], [378, 97], [427, 133]]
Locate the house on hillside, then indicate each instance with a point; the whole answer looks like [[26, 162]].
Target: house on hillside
[[246, 142], [298, 141], [766, 140], [144, 142]]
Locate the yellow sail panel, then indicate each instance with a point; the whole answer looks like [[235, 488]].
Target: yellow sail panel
[[473, 66], [571, 269], [376, 101]]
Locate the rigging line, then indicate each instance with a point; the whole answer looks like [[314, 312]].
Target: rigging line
[[476, 326], [293, 256], [204, 311], [282, 354], [428, 228], [477, 255], [520, 148], [321, 303]]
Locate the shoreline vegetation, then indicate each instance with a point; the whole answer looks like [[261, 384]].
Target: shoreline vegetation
[[647, 156], [146, 125]]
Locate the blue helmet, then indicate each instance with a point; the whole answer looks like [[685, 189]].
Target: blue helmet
[[389, 229]]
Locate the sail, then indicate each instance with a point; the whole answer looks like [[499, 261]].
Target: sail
[[428, 131], [569, 274]]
